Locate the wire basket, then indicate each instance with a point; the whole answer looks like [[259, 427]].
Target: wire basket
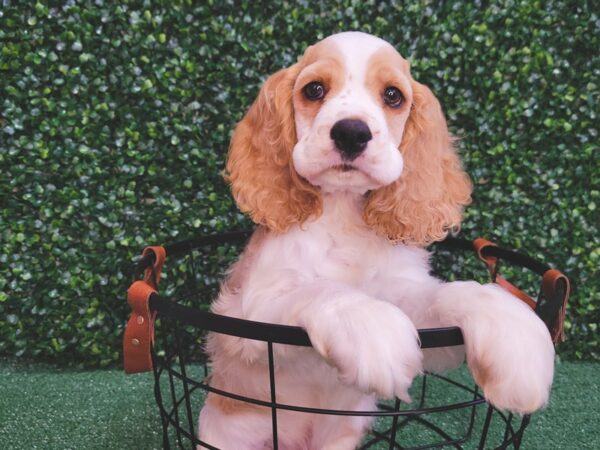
[[166, 334]]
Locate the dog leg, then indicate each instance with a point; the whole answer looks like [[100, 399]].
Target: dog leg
[[509, 349], [372, 343]]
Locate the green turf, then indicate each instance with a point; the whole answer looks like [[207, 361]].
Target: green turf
[[42, 407]]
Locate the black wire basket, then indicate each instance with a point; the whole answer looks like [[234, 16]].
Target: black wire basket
[[449, 411]]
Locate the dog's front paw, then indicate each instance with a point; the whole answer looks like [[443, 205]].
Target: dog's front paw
[[509, 349], [373, 344]]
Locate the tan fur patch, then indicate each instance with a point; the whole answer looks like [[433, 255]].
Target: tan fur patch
[[230, 406], [386, 68], [482, 371], [321, 62]]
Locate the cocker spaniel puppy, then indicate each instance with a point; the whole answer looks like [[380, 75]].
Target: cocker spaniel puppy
[[346, 163]]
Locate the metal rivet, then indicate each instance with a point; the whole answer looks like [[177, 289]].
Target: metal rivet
[[135, 342], [140, 320]]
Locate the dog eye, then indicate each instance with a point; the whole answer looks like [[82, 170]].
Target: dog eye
[[314, 91], [393, 97]]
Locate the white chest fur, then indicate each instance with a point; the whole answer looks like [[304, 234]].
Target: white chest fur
[[337, 247]]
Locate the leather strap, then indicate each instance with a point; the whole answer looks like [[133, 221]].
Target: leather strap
[[556, 290], [139, 331], [491, 261], [152, 273]]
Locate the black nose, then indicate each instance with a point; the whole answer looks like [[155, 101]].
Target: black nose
[[350, 137]]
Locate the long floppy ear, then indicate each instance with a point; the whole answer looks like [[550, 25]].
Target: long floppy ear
[[427, 200], [263, 180]]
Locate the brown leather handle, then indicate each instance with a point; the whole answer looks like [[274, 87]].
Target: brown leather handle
[[139, 331], [152, 273], [491, 261], [555, 292], [556, 289]]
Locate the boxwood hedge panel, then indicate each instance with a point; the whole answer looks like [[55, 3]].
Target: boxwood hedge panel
[[115, 119]]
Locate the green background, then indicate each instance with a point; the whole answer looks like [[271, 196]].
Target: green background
[[115, 119]]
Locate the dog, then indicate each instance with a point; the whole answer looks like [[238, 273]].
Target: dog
[[346, 164]]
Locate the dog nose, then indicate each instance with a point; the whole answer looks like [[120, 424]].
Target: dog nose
[[350, 137]]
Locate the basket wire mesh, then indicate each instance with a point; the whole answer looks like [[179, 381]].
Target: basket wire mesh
[[449, 410]]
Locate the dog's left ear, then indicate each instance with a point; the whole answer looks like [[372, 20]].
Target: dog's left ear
[[263, 180], [427, 200]]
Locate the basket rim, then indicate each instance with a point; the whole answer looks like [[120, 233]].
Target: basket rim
[[274, 333], [449, 243]]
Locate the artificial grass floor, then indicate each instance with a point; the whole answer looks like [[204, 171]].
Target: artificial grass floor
[[42, 407]]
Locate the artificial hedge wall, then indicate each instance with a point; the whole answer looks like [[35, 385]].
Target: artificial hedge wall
[[115, 119]]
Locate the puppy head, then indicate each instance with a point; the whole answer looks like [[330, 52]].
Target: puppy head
[[348, 117]]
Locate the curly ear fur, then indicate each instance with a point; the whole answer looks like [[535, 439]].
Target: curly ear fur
[[259, 166], [427, 200]]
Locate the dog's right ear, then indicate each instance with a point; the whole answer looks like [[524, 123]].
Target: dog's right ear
[[263, 180]]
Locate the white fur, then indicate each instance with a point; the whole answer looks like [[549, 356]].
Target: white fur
[[361, 299]]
